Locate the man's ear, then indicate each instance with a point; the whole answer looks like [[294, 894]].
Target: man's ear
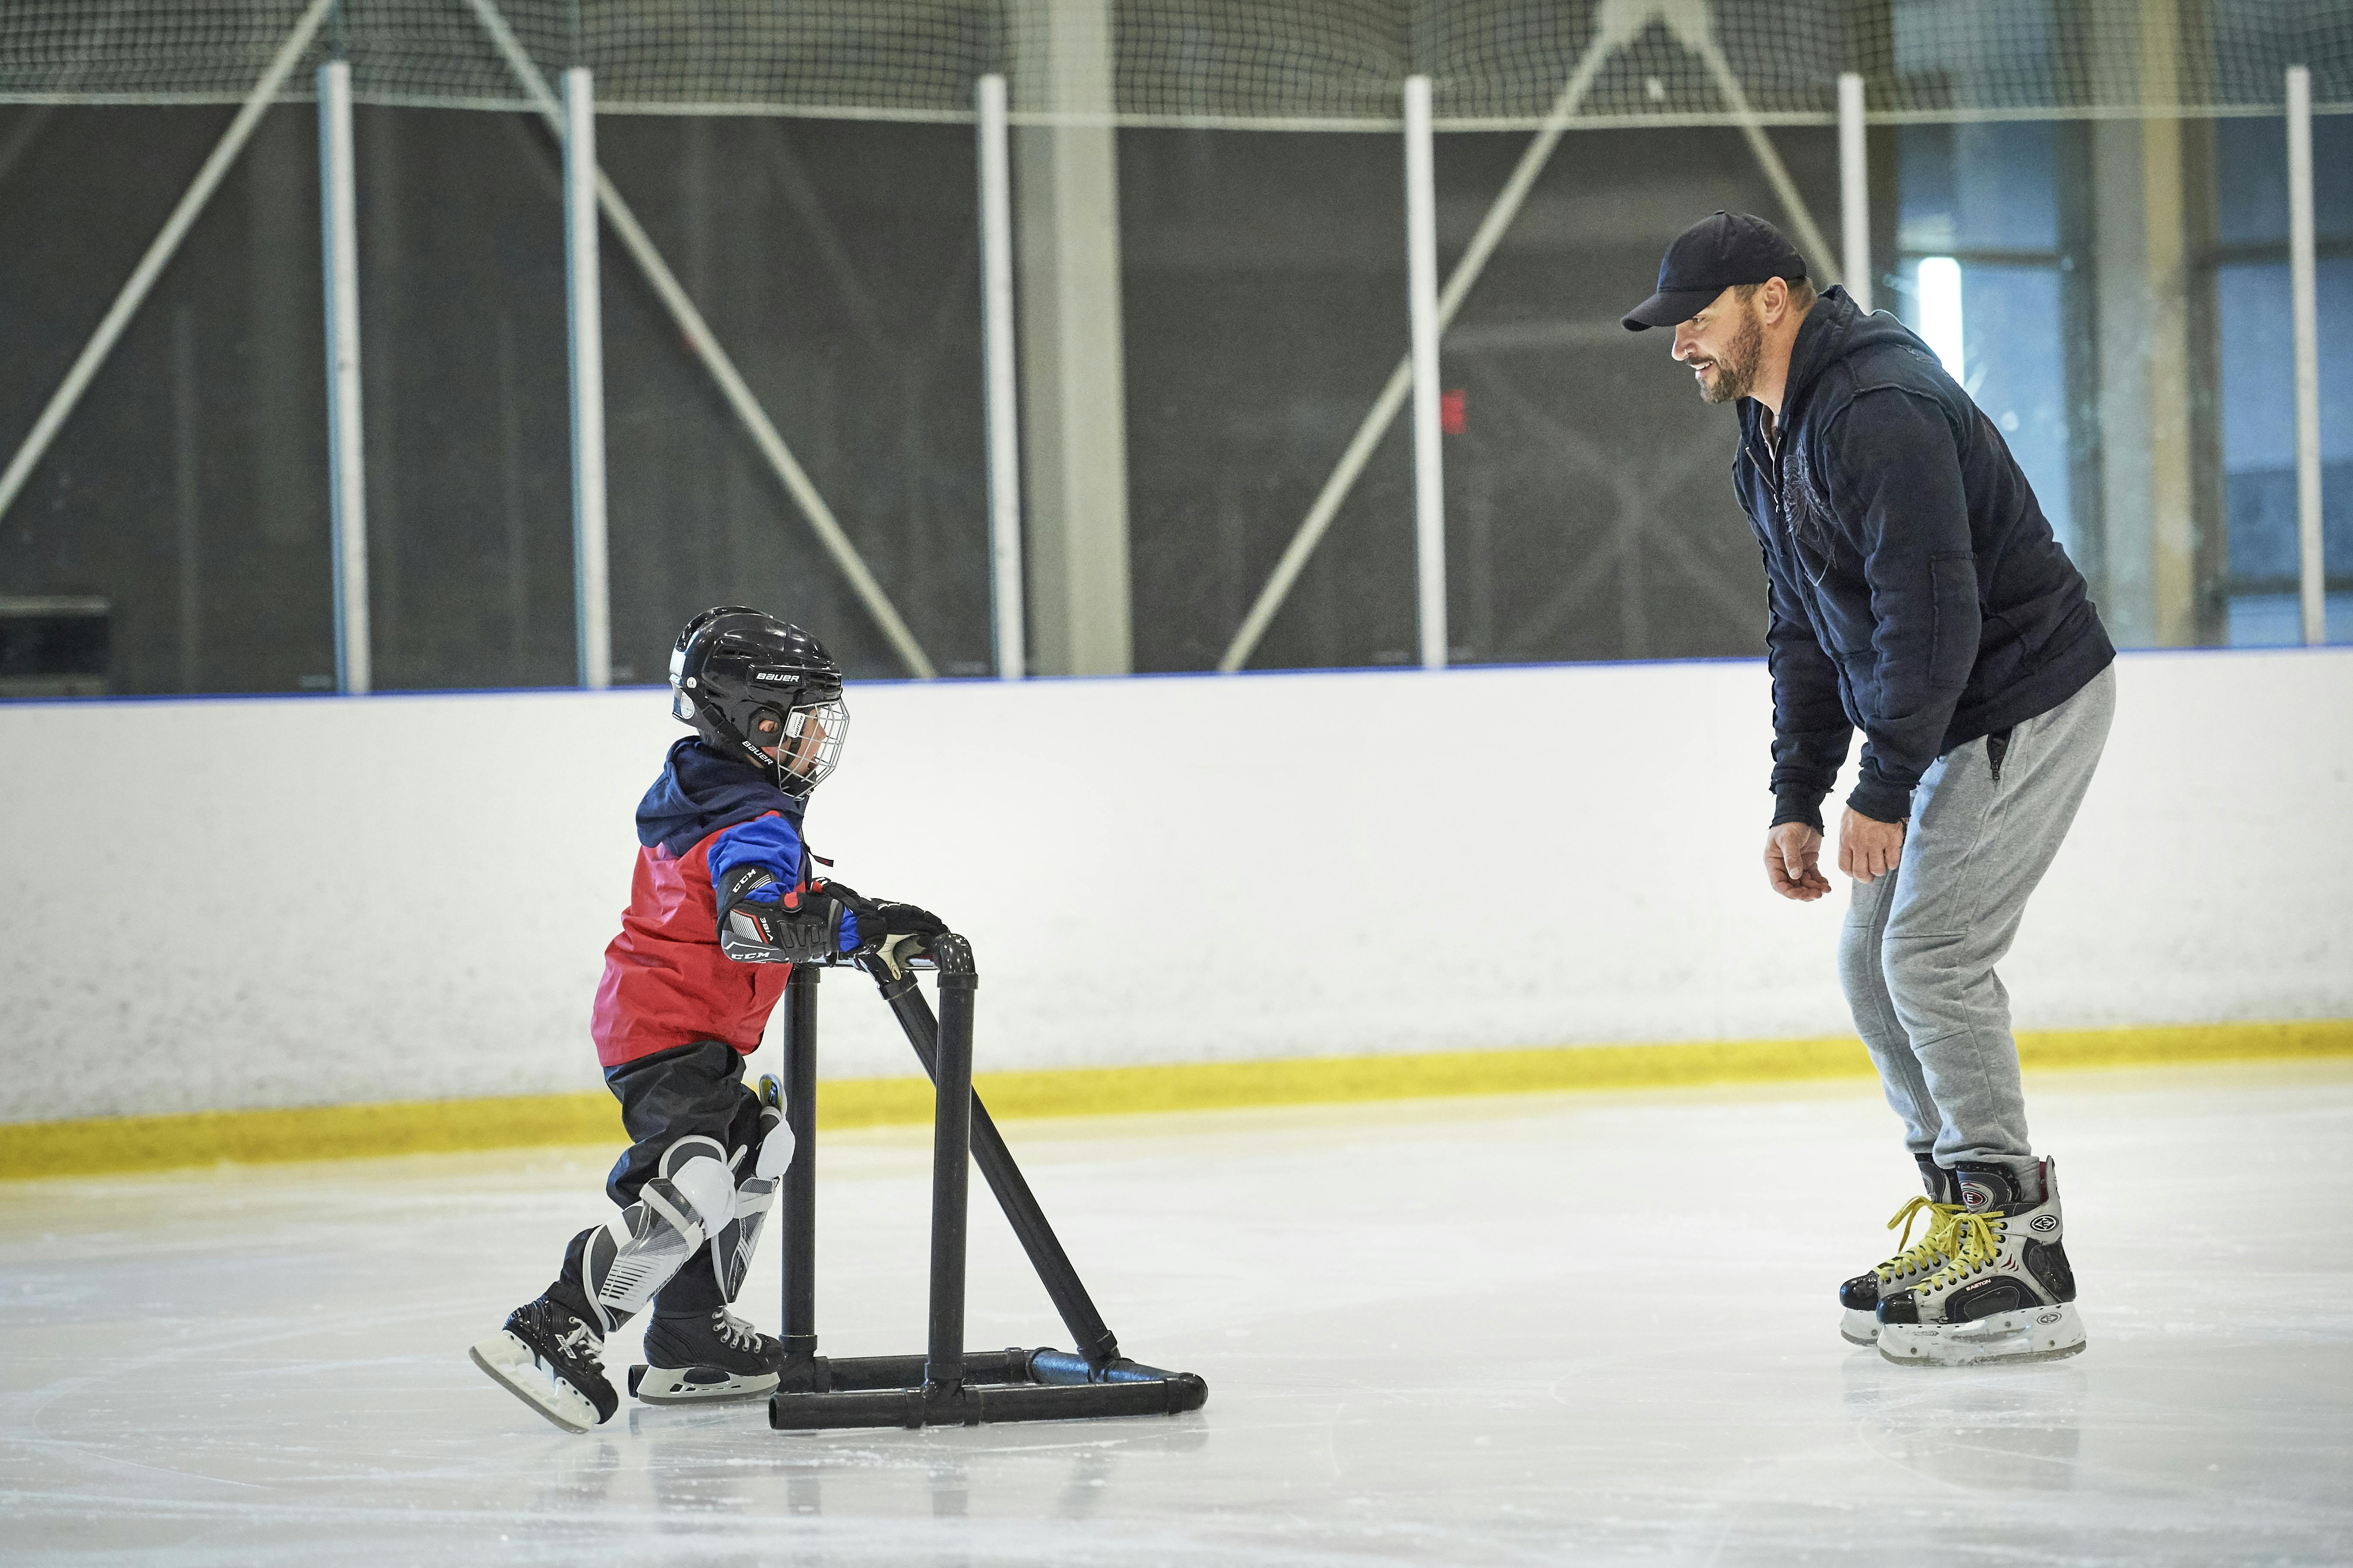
[[1774, 300]]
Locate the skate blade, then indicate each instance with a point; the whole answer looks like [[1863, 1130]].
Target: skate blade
[[1859, 1328], [513, 1367], [2042, 1333], [697, 1384]]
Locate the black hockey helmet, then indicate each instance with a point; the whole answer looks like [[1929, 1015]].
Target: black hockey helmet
[[763, 690]]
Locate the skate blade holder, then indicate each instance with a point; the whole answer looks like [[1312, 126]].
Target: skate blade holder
[[948, 1385], [694, 1385]]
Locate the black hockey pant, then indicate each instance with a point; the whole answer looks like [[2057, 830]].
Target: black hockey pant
[[684, 1099]]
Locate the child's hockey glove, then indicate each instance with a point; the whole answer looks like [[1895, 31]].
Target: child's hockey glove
[[909, 920], [877, 923], [761, 921]]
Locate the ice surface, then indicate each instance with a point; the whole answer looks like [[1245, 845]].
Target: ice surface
[[1534, 1331]]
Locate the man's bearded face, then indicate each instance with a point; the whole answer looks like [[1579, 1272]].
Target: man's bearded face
[[1722, 345]]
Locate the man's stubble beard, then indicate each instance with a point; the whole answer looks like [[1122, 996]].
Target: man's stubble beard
[[1736, 370]]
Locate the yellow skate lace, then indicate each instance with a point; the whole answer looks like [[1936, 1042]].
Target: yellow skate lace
[[1979, 1247], [1936, 1247]]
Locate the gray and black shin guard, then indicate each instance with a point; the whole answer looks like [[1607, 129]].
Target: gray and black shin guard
[[693, 1357], [640, 1248], [734, 1243], [731, 1248]]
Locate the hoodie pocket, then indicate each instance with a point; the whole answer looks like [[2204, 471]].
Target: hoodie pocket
[[1953, 634]]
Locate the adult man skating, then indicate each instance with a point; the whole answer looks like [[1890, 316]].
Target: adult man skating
[[1917, 593]]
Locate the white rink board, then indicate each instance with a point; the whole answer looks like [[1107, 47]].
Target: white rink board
[[232, 903]]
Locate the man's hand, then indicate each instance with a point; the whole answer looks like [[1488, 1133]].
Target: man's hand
[[1793, 853], [1868, 848]]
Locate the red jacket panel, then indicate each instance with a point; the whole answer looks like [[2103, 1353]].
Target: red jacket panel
[[666, 983]]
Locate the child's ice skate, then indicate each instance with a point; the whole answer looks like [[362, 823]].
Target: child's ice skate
[[1861, 1296], [2008, 1293], [705, 1356], [552, 1362]]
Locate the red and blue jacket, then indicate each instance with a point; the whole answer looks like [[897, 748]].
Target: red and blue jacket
[[666, 983]]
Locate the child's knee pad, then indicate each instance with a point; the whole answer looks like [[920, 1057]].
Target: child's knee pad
[[776, 1145], [638, 1250]]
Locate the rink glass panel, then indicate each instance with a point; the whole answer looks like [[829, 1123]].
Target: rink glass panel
[[187, 494], [1589, 508], [2258, 377], [837, 263], [1588, 514], [2013, 204]]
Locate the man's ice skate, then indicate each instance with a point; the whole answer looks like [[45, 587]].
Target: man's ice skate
[[2008, 1294], [552, 1362], [1860, 1296], [705, 1356]]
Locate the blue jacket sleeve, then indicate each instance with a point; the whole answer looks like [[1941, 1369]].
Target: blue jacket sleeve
[[1898, 473], [775, 845], [771, 842]]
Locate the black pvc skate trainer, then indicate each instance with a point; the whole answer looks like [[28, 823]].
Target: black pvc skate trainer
[[948, 1385]]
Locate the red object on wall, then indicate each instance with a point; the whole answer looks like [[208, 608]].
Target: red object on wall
[[1453, 411]]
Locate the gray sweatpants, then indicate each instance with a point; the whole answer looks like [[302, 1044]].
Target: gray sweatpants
[[1918, 949]]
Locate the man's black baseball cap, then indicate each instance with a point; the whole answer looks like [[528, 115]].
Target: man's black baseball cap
[[1710, 257]]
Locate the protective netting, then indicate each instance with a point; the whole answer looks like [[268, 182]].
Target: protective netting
[[1304, 64]]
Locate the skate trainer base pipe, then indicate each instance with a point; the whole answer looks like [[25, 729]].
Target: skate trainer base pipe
[[948, 1385]]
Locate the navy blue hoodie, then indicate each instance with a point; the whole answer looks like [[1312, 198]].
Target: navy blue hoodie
[[1917, 591]]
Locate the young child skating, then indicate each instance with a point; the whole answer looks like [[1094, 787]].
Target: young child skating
[[721, 906]]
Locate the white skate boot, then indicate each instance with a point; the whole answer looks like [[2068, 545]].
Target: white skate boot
[[1860, 1296], [2008, 1294]]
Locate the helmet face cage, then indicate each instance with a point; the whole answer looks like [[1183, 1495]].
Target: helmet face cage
[[812, 744]]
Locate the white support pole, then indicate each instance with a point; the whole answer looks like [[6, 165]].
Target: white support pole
[[1794, 207], [1618, 28], [346, 454], [1854, 191], [1422, 303], [705, 346], [150, 266], [584, 319], [2312, 573], [1002, 404]]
